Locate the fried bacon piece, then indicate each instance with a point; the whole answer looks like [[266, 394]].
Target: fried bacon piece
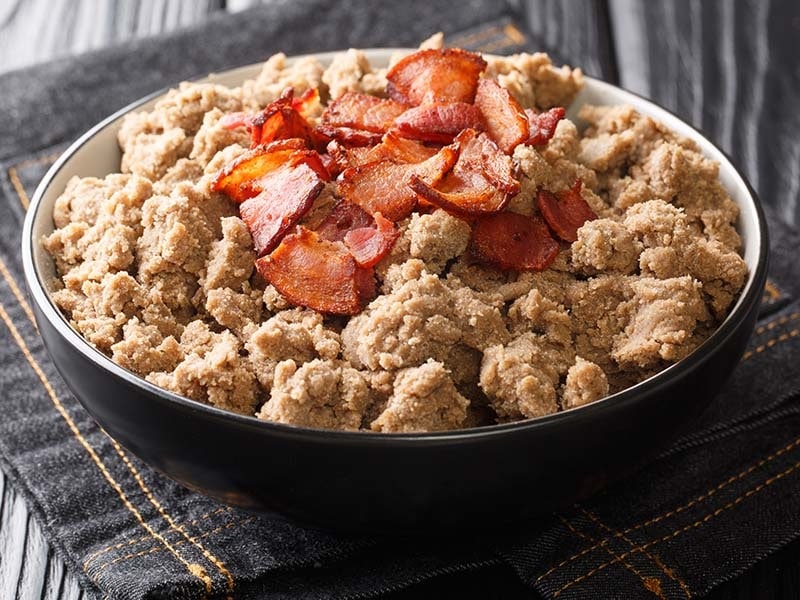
[[445, 75], [242, 178], [400, 150], [307, 102], [383, 186], [361, 111], [343, 217], [511, 241], [482, 179], [369, 245], [438, 122], [346, 136], [506, 122], [322, 275], [543, 125], [565, 211], [348, 157], [279, 121], [287, 194], [330, 164]]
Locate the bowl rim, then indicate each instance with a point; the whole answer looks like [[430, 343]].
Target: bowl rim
[[748, 297]]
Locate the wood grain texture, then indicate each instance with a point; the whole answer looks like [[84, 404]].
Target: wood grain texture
[[575, 31], [731, 69], [64, 27], [28, 568]]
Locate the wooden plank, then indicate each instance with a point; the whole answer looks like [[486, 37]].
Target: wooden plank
[[64, 27], [574, 31], [28, 568], [730, 68], [13, 524]]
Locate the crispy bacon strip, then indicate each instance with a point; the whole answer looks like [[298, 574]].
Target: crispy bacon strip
[[307, 102], [343, 217], [346, 136], [400, 150], [361, 111], [279, 121], [369, 245], [310, 271], [446, 75], [481, 181], [287, 194], [506, 122], [510, 241], [543, 125], [565, 211], [383, 186], [348, 157], [240, 178], [438, 122]]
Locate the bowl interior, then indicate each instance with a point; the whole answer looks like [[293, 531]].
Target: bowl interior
[[97, 153]]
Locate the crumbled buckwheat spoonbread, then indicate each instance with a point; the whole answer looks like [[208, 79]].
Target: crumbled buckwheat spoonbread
[[427, 247]]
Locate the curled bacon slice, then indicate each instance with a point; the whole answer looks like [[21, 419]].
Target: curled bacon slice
[[481, 181], [343, 217], [348, 157], [307, 102], [240, 179], [347, 136], [369, 245], [310, 271], [287, 194], [443, 75], [438, 122], [543, 125], [506, 122], [400, 150], [361, 111], [383, 186], [565, 211], [279, 121], [510, 241]]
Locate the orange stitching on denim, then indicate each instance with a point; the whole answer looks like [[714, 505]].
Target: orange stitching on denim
[[704, 496], [649, 586], [514, 34], [37, 160], [698, 523], [777, 323], [656, 561], [773, 342], [771, 292], [193, 568], [13, 176], [155, 549], [137, 476], [210, 557], [16, 291], [19, 188], [466, 40], [144, 538]]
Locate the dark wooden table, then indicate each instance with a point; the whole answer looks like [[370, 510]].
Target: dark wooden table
[[730, 67]]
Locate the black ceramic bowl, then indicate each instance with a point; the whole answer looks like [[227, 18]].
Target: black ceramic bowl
[[383, 482]]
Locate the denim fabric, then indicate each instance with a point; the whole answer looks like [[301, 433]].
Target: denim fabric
[[720, 498]]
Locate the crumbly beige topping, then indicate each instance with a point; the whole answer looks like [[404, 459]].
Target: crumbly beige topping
[[156, 270]]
